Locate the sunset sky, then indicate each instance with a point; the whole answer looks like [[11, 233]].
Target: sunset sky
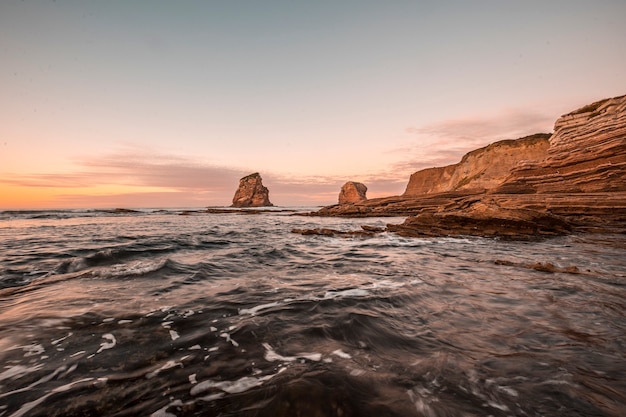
[[168, 103]]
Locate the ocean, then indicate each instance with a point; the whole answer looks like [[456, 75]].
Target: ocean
[[168, 313]]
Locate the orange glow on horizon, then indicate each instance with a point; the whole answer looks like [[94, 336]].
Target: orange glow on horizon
[[21, 197], [13, 197]]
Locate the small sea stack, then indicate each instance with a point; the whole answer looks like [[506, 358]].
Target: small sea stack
[[352, 192], [251, 192]]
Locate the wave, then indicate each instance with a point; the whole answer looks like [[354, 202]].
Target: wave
[[75, 213]]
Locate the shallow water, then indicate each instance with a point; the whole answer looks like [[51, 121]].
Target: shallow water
[[159, 314]]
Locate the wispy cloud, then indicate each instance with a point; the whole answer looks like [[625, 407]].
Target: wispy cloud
[[124, 168], [158, 170], [134, 177], [129, 178], [445, 142]]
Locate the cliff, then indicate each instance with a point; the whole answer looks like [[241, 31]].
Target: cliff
[[575, 181], [251, 192], [587, 154], [483, 168]]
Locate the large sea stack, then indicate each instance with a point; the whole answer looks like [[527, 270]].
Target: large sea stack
[[251, 192]]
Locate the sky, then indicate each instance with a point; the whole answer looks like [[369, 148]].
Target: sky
[[168, 103]]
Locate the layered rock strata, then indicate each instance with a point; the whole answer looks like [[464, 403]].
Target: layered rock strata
[[587, 154], [251, 192], [480, 169], [484, 218], [578, 185], [352, 192]]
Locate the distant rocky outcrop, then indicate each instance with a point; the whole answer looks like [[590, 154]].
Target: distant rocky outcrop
[[483, 168], [251, 192], [352, 192], [575, 181]]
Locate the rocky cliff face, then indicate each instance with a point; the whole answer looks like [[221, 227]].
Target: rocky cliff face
[[483, 168], [578, 185], [251, 192], [587, 154], [352, 192]]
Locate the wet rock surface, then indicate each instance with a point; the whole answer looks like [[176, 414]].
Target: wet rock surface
[[480, 218]]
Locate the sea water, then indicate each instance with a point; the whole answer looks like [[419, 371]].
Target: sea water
[[156, 313]]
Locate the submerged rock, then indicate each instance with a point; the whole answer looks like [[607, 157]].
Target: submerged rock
[[352, 192], [251, 192]]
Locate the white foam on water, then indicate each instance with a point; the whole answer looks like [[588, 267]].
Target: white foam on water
[[166, 324], [174, 335], [212, 397], [192, 379], [231, 387], [101, 382], [168, 365], [135, 268], [109, 343], [18, 371], [213, 329], [508, 390], [57, 341], [342, 354], [228, 339], [33, 350], [124, 321], [385, 283], [555, 382], [25, 409], [80, 352], [70, 370], [272, 356], [108, 320], [39, 381], [355, 292], [214, 349], [422, 400], [254, 310], [195, 347]]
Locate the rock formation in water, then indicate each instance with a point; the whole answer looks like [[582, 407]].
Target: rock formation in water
[[480, 169], [251, 192], [579, 184], [352, 192]]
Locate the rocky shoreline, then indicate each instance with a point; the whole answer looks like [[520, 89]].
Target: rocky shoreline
[[533, 187]]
